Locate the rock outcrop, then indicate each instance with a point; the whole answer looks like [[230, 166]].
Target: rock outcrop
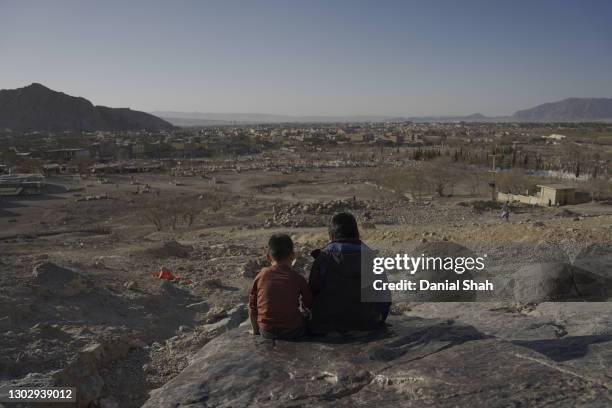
[[413, 363], [50, 279]]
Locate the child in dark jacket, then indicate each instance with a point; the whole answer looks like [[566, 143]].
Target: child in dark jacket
[[339, 286], [274, 304]]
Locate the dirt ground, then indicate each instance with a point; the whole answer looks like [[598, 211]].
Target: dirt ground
[[147, 328]]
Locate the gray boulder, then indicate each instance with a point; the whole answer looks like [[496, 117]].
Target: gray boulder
[[50, 279], [596, 258], [559, 281], [436, 274]]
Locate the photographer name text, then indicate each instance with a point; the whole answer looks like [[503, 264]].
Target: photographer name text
[[425, 285]]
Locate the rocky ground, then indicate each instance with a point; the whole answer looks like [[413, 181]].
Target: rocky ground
[[81, 302], [414, 362]]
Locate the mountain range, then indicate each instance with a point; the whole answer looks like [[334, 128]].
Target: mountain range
[[210, 119], [36, 107], [567, 110]]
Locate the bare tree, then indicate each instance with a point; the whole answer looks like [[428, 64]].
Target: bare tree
[[442, 175], [475, 178], [154, 213], [404, 181], [171, 212], [514, 181], [418, 184]]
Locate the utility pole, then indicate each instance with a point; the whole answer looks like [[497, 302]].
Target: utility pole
[[492, 183]]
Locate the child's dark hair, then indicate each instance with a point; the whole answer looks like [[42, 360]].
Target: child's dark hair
[[343, 226], [280, 247]]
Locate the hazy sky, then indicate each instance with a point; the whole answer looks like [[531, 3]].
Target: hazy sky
[[311, 57]]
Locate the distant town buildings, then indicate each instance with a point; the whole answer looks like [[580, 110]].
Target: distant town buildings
[[513, 144], [21, 184]]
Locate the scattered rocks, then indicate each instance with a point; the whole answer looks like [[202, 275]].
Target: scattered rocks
[[225, 250], [367, 225], [565, 213], [233, 319], [215, 314], [83, 373], [298, 214], [198, 306], [252, 267], [214, 283], [130, 285], [480, 206], [329, 207], [170, 249]]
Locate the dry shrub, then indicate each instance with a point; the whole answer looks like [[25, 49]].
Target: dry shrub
[[172, 212], [403, 181], [438, 176]]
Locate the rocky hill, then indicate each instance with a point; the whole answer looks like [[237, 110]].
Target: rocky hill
[[36, 107], [569, 110]]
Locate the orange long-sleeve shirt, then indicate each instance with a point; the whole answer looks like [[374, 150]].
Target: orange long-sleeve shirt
[[275, 298]]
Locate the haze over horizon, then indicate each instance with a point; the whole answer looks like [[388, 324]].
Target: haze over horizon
[[316, 58]]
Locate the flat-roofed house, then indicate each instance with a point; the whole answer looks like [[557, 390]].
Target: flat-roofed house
[[549, 195], [557, 194]]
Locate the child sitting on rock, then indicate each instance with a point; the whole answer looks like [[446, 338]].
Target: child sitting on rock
[[274, 304]]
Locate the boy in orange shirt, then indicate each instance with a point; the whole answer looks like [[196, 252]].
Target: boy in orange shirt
[[274, 304]]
